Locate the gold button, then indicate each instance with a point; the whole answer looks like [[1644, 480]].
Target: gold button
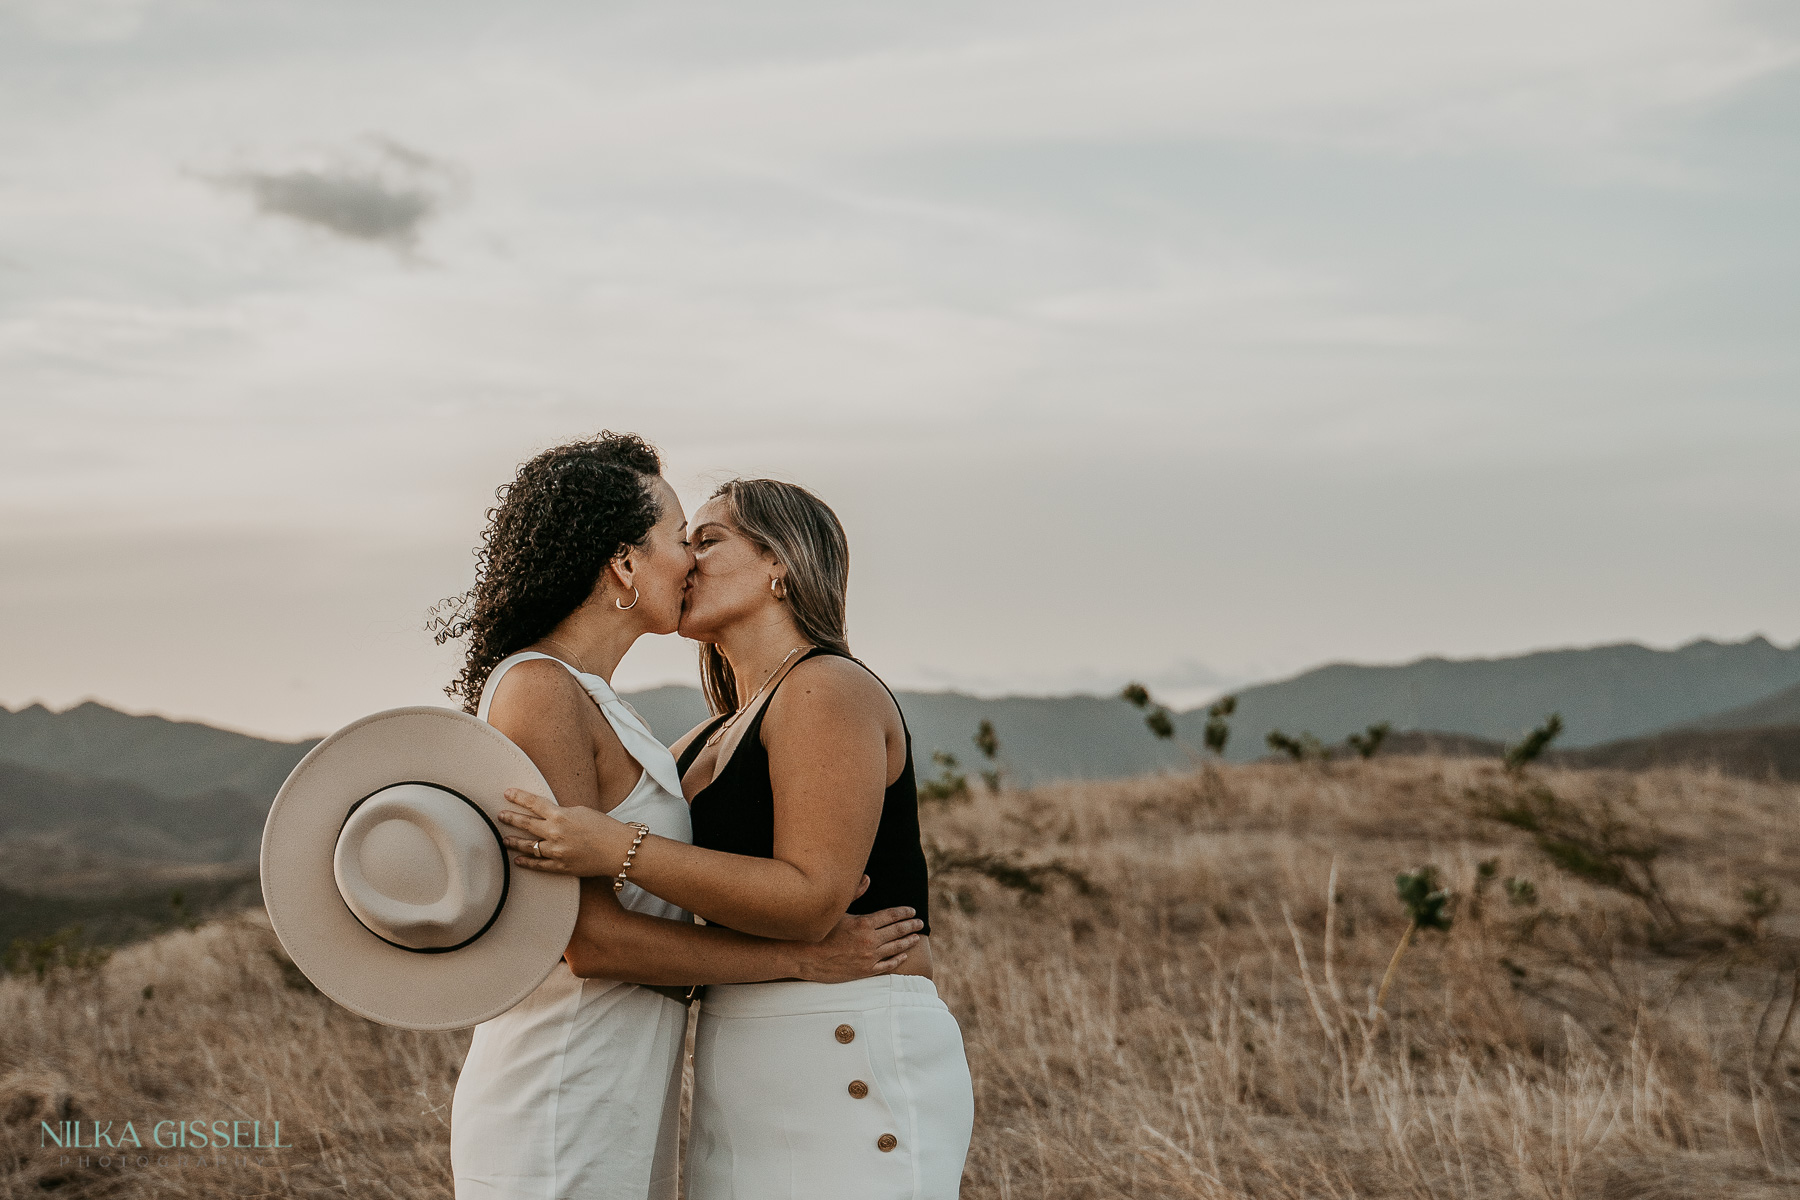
[[858, 1088], [886, 1142], [845, 1034]]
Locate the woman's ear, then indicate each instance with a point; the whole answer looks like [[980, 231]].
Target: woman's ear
[[622, 569]]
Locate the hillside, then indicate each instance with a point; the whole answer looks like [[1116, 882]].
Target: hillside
[[1763, 754], [1783, 708], [1747, 753], [1165, 987], [169, 758], [110, 918], [1042, 738], [129, 821], [1604, 693]]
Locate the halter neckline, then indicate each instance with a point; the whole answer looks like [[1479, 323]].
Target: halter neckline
[[633, 731]]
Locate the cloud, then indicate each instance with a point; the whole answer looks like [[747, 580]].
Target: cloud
[[380, 192]]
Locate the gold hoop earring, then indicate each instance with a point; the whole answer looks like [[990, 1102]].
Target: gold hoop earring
[[781, 595], [628, 607]]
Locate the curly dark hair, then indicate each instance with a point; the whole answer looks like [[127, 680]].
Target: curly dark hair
[[567, 514]]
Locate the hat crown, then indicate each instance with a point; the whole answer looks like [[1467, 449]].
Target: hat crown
[[420, 867], [399, 859]]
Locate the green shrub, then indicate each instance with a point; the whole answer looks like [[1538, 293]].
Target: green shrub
[[1535, 743]]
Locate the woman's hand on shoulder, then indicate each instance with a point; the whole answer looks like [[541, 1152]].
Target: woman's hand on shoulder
[[563, 840], [544, 711]]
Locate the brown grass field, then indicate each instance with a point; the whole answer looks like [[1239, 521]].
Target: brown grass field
[[1197, 1023]]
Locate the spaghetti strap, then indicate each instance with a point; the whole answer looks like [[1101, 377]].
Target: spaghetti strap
[[735, 813], [904, 727]]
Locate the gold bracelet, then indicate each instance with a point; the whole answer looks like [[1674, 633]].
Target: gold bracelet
[[643, 831]]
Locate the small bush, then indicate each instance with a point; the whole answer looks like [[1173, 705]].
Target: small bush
[[1535, 743], [1368, 743], [1299, 749], [950, 783], [1218, 731]]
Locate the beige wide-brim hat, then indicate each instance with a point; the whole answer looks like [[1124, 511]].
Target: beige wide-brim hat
[[388, 884]]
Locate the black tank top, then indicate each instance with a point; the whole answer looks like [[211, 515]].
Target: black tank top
[[735, 813]]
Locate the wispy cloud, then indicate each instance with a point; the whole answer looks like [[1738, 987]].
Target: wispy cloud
[[381, 191]]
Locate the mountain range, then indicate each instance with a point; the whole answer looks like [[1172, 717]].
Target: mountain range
[[1603, 693], [167, 758], [1783, 708], [145, 788]]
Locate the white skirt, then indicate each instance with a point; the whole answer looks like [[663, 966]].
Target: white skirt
[[819, 1091]]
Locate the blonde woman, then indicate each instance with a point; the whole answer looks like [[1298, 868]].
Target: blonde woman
[[799, 786], [574, 1092]]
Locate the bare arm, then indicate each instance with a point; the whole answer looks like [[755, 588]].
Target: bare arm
[[612, 942], [827, 733], [544, 712]]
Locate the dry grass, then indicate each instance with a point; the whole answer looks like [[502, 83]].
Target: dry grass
[[1198, 1027]]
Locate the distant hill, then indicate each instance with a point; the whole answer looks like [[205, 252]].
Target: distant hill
[[111, 917], [1062, 737], [82, 836], [123, 819], [669, 711], [1783, 708], [169, 758], [1763, 753], [1604, 693]]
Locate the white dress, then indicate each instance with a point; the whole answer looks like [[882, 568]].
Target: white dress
[[574, 1093]]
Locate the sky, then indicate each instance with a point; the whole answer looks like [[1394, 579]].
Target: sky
[[1195, 343]]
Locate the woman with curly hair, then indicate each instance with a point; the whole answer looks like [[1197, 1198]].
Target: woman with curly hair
[[575, 1091], [799, 786]]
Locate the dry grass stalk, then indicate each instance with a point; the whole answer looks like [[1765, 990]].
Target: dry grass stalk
[[1199, 1025]]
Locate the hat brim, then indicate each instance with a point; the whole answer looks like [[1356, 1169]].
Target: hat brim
[[360, 971]]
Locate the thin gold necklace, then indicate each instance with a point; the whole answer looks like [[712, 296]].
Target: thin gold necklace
[[746, 705], [553, 642]]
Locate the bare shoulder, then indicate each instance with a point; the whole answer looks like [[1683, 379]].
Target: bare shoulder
[[537, 687], [832, 688]]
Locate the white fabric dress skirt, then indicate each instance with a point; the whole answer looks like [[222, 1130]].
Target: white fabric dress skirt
[[574, 1094], [825, 1091]]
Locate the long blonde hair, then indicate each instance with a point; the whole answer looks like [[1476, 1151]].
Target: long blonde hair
[[805, 536]]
